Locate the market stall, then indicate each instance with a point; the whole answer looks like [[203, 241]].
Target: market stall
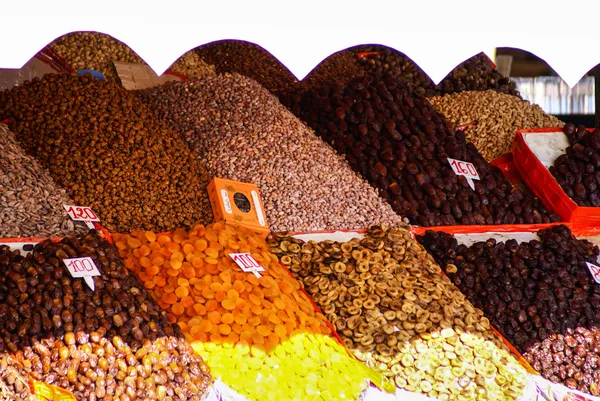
[[252, 223]]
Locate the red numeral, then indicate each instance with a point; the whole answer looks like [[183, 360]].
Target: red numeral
[[247, 260], [90, 214]]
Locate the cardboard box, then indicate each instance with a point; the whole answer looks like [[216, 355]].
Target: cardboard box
[[238, 204]]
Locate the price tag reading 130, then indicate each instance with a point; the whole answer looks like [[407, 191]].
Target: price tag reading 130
[[465, 168], [595, 270], [83, 268], [81, 213], [247, 263]]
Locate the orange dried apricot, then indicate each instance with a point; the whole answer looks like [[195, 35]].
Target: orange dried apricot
[[177, 309], [182, 292], [187, 301], [199, 309], [220, 295]]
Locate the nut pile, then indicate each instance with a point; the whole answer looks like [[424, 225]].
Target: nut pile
[[31, 205], [260, 335], [577, 171], [241, 132], [474, 74], [498, 117], [396, 311], [103, 344], [250, 60], [538, 294], [97, 51], [14, 384], [401, 145], [109, 152]]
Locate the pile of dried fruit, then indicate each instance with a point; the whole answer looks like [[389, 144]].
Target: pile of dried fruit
[[109, 152], [14, 384], [577, 171], [401, 145], [390, 61], [260, 335], [250, 60], [241, 132], [31, 205], [498, 117], [396, 311], [337, 69], [97, 51], [103, 344], [474, 74], [538, 294]]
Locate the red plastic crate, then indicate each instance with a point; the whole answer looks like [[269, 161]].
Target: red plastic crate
[[544, 185]]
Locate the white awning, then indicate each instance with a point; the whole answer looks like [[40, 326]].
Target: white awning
[[437, 35]]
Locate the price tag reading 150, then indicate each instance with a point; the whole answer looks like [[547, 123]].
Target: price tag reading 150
[[81, 213], [465, 168], [83, 268]]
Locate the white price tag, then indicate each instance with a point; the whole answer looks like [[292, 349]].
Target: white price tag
[[83, 268], [82, 213], [247, 263], [595, 270], [465, 168]]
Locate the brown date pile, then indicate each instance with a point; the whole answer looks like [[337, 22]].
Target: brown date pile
[[396, 312], [538, 294], [109, 152], [111, 343], [474, 74], [248, 59], [401, 145], [14, 383], [577, 171]]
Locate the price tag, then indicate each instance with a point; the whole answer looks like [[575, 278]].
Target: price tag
[[83, 268], [465, 168], [82, 213], [595, 270], [247, 263]]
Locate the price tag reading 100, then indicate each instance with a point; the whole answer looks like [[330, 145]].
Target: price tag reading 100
[[83, 268]]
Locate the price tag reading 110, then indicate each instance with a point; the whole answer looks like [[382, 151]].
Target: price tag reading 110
[[82, 213], [465, 168], [247, 263]]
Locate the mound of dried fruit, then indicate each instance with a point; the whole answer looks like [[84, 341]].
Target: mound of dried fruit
[[260, 335], [109, 152], [395, 310], [401, 145], [103, 344], [539, 294]]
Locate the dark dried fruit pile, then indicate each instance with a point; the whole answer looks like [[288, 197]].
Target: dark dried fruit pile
[[539, 294], [109, 152], [474, 74], [248, 59], [577, 171], [113, 342], [401, 144]]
